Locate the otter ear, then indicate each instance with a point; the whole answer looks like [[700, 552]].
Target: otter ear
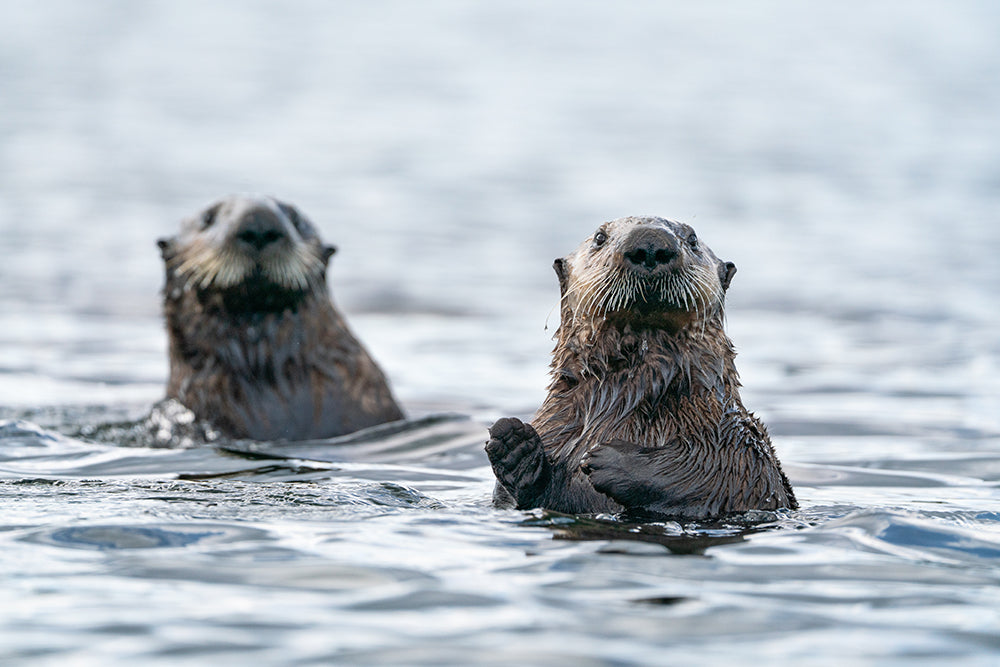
[[328, 252], [166, 248], [726, 273], [560, 266]]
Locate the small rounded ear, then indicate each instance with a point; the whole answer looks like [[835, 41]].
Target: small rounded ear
[[726, 273], [328, 252], [562, 273], [166, 248]]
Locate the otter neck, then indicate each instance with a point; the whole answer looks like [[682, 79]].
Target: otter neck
[[204, 333], [693, 360]]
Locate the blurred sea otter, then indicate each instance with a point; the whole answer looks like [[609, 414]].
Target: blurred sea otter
[[257, 347], [643, 411]]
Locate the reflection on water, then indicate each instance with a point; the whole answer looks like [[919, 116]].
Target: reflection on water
[[845, 157], [123, 537]]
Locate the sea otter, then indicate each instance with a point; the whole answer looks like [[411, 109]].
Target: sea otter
[[643, 412], [257, 347]]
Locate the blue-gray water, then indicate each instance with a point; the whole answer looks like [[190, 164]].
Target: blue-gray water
[[846, 156]]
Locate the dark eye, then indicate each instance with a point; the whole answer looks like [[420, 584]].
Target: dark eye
[[292, 214], [208, 216], [600, 238], [692, 241]]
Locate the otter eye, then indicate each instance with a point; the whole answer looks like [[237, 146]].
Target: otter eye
[[600, 238], [300, 222], [208, 216], [292, 215], [692, 241]]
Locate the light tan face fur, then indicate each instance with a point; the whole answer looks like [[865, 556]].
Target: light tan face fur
[[209, 254], [642, 265]]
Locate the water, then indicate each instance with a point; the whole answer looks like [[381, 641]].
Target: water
[[845, 157]]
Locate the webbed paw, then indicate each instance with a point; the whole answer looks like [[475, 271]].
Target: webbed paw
[[518, 459]]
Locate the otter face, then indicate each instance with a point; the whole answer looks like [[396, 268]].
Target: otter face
[[642, 267], [243, 241]]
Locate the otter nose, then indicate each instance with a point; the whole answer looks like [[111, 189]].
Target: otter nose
[[260, 228], [650, 248]]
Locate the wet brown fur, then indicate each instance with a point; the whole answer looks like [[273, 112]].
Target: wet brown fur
[[643, 411], [257, 346]]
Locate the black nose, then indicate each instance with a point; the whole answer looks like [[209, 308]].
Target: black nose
[[650, 248], [260, 228]]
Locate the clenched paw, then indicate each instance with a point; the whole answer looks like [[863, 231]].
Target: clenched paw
[[508, 437], [518, 459]]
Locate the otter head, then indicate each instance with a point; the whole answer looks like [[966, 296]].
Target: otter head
[[255, 252], [645, 272]]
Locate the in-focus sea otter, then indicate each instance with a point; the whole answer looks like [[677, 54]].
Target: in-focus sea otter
[[643, 411], [257, 347]]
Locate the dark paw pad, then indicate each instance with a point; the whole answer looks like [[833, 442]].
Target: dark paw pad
[[510, 429], [511, 440], [518, 460]]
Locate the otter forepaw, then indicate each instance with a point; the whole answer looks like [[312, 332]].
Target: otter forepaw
[[622, 471], [518, 461]]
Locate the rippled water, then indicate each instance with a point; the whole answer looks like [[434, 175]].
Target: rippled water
[[845, 157]]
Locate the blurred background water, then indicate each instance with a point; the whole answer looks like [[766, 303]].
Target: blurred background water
[[845, 156]]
